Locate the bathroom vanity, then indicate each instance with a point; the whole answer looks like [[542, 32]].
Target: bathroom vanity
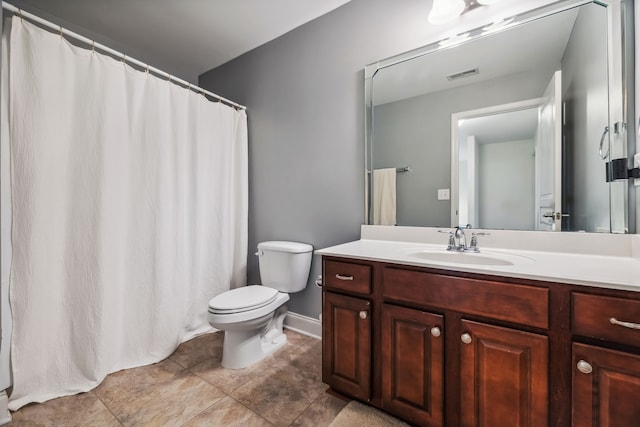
[[520, 338], [540, 328]]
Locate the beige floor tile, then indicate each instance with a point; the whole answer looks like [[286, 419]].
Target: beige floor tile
[[71, 411], [190, 387], [168, 403], [198, 349], [297, 339], [103, 419], [308, 359], [228, 412], [229, 380], [129, 384], [321, 412], [279, 394]]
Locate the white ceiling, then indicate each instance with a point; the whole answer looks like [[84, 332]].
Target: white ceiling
[[508, 126], [182, 37], [539, 44]]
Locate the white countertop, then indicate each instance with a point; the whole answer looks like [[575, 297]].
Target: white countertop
[[605, 271]]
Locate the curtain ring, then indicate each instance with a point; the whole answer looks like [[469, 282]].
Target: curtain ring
[[61, 34], [93, 46], [146, 70], [20, 14], [124, 58]]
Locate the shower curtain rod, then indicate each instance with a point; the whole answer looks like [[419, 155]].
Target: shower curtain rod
[[95, 45]]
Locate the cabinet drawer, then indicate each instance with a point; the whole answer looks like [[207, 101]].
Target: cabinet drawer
[[528, 305], [608, 318], [347, 276]]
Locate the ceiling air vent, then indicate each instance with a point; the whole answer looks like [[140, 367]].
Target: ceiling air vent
[[463, 74]]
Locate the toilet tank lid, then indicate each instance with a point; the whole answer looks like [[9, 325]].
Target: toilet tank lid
[[280, 246]]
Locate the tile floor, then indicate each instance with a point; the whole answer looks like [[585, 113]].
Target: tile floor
[[190, 388]]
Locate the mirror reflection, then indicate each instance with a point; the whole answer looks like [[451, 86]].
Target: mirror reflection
[[509, 130]]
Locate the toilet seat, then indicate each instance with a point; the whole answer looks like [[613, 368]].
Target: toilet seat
[[242, 299]]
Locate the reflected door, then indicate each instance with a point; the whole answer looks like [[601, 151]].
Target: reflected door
[[549, 158]]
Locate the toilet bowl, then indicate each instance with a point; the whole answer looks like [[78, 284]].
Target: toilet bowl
[[252, 316]]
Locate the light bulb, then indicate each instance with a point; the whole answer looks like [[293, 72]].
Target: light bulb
[[444, 11]]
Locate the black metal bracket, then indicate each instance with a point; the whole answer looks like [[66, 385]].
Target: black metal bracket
[[617, 170]]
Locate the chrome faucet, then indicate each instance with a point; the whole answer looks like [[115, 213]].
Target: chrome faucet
[[458, 240], [461, 238]]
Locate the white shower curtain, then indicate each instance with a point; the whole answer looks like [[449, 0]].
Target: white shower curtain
[[129, 206]]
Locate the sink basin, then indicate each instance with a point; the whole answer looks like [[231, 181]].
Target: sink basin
[[489, 259]]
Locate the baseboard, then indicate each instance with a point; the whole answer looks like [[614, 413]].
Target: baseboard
[[5, 415], [303, 325]]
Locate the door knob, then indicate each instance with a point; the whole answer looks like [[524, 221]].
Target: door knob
[[465, 338], [363, 314], [435, 331]]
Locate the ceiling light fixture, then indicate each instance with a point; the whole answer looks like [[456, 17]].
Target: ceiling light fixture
[[444, 11]]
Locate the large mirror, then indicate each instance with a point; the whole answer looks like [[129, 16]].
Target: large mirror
[[507, 127]]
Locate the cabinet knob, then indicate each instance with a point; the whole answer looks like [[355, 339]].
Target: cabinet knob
[[435, 331], [584, 367], [465, 338], [363, 314]]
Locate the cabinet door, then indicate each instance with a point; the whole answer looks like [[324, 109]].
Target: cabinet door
[[504, 377], [346, 345], [412, 364], [606, 386]]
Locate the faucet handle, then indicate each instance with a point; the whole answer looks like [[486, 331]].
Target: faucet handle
[[481, 233], [451, 246], [473, 246]]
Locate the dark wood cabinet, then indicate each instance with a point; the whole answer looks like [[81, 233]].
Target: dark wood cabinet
[[503, 377], [606, 387], [346, 335], [436, 347], [412, 364], [605, 381]]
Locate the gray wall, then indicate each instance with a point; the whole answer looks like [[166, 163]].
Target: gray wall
[[304, 93], [305, 98], [585, 93], [416, 132]]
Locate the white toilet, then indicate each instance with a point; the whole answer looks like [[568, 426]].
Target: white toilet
[[251, 317]]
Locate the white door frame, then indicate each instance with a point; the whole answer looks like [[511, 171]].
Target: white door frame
[[455, 142]]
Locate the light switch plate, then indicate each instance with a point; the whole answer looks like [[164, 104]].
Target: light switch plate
[[636, 164], [443, 194]]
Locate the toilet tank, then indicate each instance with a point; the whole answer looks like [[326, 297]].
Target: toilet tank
[[284, 265]]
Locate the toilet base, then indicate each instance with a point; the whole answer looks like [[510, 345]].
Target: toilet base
[[243, 348]]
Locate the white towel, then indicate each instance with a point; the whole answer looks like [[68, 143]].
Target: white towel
[[384, 196]]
